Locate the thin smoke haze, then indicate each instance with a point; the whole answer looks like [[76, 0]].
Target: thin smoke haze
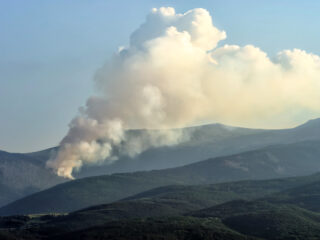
[[173, 75]]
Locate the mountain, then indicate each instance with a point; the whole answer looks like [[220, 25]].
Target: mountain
[[262, 218], [200, 196], [171, 228], [265, 220], [205, 142], [306, 196], [271, 162], [238, 210], [24, 174], [21, 175], [288, 214], [175, 201]]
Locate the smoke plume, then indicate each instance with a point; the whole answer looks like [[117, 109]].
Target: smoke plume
[[173, 75]]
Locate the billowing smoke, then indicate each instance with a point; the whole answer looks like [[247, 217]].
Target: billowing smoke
[[173, 75]]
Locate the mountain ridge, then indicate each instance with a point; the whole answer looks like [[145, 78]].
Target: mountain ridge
[[270, 162], [26, 173]]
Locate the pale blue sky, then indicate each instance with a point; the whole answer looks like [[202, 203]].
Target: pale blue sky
[[50, 50]]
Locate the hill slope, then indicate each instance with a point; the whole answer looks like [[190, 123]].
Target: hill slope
[[271, 162], [23, 174], [205, 142], [306, 196], [176, 212], [266, 220]]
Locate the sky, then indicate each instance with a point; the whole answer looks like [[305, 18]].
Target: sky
[[51, 50]]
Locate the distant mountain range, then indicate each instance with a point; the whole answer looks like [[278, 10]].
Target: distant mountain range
[[284, 160], [24, 174], [207, 141]]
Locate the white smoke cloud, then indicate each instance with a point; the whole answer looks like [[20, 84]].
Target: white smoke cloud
[[173, 75]]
